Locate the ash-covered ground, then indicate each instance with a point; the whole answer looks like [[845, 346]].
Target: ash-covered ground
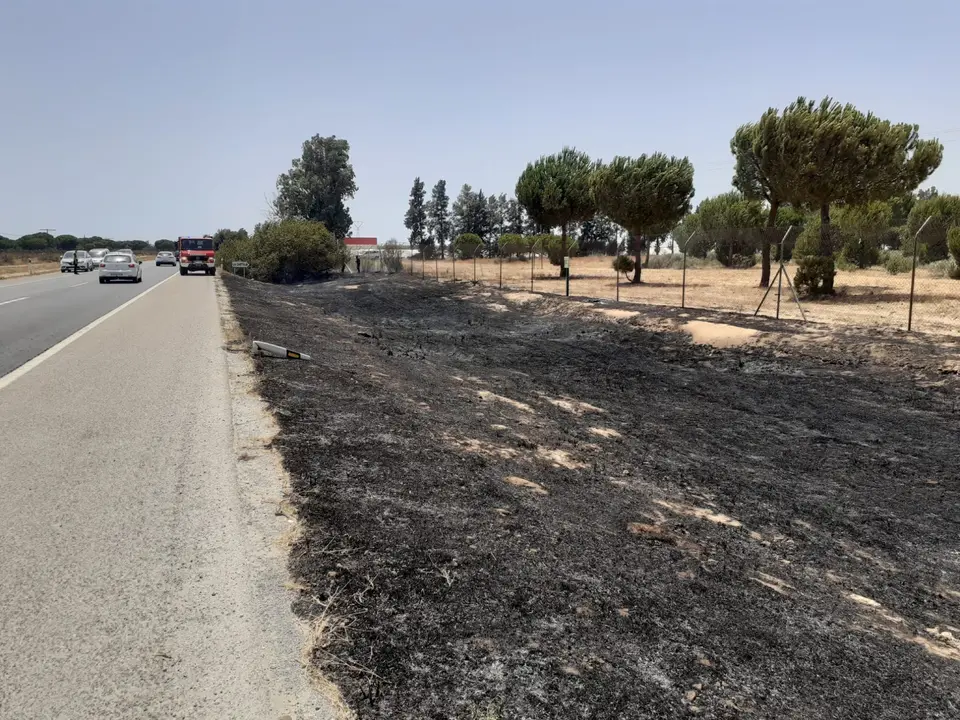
[[517, 508]]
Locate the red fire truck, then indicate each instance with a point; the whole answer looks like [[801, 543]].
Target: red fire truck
[[196, 253]]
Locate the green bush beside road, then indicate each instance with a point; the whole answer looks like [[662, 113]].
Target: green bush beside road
[[285, 251]]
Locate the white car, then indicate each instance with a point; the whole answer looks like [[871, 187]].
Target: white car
[[98, 254], [121, 266], [165, 257], [84, 261]]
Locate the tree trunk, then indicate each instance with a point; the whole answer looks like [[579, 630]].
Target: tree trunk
[[826, 248], [765, 244], [637, 258]]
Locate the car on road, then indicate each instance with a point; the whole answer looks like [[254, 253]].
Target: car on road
[[165, 257], [121, 266], [84, 261], [97, 254]]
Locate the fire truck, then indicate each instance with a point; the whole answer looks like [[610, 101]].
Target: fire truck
[[196, 253]]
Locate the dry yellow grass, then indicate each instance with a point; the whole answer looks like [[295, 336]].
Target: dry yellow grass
[[864, 297], [14, 271]]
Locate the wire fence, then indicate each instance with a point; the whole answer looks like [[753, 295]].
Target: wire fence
[[910, 287]]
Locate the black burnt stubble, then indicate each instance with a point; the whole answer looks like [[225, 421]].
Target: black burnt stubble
[[464, 594]]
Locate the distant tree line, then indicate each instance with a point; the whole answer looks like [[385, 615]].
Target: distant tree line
[[45, 242], [478, 223]]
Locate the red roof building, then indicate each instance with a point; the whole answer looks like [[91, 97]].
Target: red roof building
[[360, 241]]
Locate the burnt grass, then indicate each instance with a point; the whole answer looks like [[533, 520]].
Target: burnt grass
[[760, 535]]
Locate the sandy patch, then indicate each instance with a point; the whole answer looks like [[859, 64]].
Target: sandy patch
[[861, 600], [559, 458], [497, 307], [350, 287], [486, 396], [719, 335], [521, 297], [605, 432], [661, 534], [573, 406], [773, 583], [618, 314], [478, 447], [527, 484], [700, 513]]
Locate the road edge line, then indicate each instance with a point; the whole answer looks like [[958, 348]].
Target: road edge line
[[29, 365]]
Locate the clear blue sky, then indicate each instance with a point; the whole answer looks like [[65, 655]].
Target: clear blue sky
[[142, 119]]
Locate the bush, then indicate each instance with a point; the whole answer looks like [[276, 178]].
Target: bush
[[814, 275], [467, 245], [859, 251], [896, 262], [943, 269], [953, 243], [392, 256], [736, 247], [286, 251], [624, 264], [511, 244], [553, 246], [923, 252]]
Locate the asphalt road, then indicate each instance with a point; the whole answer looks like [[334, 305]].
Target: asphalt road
[[136, 578], [38, 312]]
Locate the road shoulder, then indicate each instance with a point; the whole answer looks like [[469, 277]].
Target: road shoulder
[[300, 690]]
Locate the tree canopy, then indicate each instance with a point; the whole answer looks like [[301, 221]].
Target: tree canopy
[[555, 191], [732, 225], [438, 216], [819, 154], [318, 184], [415, 219], [944, 213], [647, 195]]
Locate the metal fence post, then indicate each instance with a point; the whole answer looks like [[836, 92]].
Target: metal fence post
[[913, 271], [500, 253], [780, 275], [567, 273], [436, 262], [533, 261], [683, 290], [475, 251], [453, 255]]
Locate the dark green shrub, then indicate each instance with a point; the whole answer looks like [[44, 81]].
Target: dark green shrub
[[624, 264], [286, 251], [953, 243], [815, 275], [896, 262], [736, 247], [467, 245]]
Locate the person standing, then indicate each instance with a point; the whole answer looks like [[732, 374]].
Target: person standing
[[358, 264]]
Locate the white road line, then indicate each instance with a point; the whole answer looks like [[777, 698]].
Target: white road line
[[7, 302], [78, 284], [15, 375]]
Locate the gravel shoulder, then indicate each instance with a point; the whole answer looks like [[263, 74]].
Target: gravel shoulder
[[516, 506]]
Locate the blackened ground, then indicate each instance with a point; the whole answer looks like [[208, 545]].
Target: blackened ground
[[719, 533]]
